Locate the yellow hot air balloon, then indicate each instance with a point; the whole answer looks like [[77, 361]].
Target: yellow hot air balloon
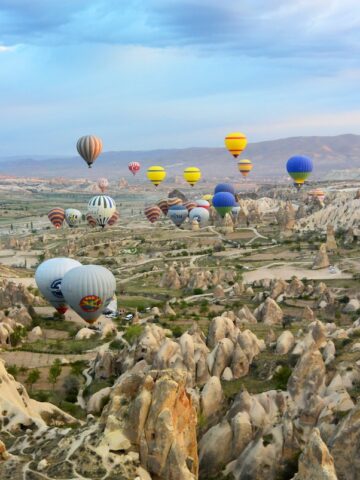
[[192, 175], [245, 166], [208, 197], [235, 142], [156, 174]]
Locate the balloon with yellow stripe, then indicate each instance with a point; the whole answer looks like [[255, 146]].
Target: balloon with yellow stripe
[[245, 166], [192, 175], [156, 174], [236, 143]]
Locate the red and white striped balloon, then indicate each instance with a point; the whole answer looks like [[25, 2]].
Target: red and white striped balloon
[[134, 167]]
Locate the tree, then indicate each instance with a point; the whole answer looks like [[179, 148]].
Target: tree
[[71, 386], [32, 377], [54, 372]]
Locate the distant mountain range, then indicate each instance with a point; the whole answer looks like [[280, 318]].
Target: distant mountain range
[[340, 152]]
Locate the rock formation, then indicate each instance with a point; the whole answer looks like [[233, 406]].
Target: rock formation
[[321, 259], [331, 245]]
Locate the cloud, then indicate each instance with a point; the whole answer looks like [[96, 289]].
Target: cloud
[[264, 28]]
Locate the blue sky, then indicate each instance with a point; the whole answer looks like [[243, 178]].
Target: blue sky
[[147, 74]]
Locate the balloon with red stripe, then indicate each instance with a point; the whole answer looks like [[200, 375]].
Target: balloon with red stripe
[[152, 213], [134, 167], [57, 217], [236, 143]]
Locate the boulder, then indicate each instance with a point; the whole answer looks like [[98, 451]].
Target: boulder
[[244, 315], [212, 397], [352, 306], [285, 343], [269, 312], [84, 333]]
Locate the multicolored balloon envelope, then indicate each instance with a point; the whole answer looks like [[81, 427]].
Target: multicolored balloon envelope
[[72, 217], [224, 187], [299, 168], [152, 213], [48, 278], [178, 214], [88, 290], [89, 147], [245, 166], [164, 207], [224, 202], [103, 184], [101, 208], [192, 175], [57, 217], [235, 142], [114, 218], [174, 201], [156, 174], [201, 202], [134, 167], [200, 214], [189, 205]]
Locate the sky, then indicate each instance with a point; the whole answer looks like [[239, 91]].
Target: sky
[[149, 74]]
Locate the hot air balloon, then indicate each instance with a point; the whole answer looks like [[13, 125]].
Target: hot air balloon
[[235, 210], [208, 197], [317, 193], [189, 205], [203, 203], [114, 218], [101, 208], [235, 142], [178, 214], [89, 147], [192, 175], [224, 187], [200, 214], [224, 202], [48, 277], [134, 167], [174, 201], [91, 220], [164, 207], [156, 174], [72, 217], [88, 290], [103, 184], [245, 166], [299, 168], [57, 217], [152, 213]]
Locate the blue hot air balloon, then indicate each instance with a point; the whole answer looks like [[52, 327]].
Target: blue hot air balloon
[[178, 214], [299, 168], [224, 202], [224, 187]]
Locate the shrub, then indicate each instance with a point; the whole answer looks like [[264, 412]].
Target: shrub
[[132, 333], [198, 291], [71, 387], [281, 377]]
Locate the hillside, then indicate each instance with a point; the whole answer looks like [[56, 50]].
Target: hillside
[[269, 157]]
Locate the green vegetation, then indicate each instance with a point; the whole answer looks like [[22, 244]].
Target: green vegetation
[[54, 372], [281, 377], [132, 333], [32, 378], [65, 347]]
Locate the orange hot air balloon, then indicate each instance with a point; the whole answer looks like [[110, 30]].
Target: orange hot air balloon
[[57, 217], [164, 206], [174, 201], [89, 148], [236, 143], [152, 213]]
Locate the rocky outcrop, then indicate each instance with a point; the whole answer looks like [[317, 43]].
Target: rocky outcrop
[[321, 259], [285, 343], [269, 312], [315, 462], [170, 279], [155, 414], [331, 245], [212, 397]]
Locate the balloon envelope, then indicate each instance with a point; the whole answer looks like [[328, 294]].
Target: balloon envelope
[[224, 202], [156, 174], [192, 175], [48, 278], [57, 217], [134, 167], [103, 184], [164, 207], [152, 213], [174, 201], [178, 214], [89, 147], [299, 168], [224, 187], [88, 290], [203, 203], [101, 208], [235, 142], [200, 214], [189, 205], [72, 217], [245, 166]]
